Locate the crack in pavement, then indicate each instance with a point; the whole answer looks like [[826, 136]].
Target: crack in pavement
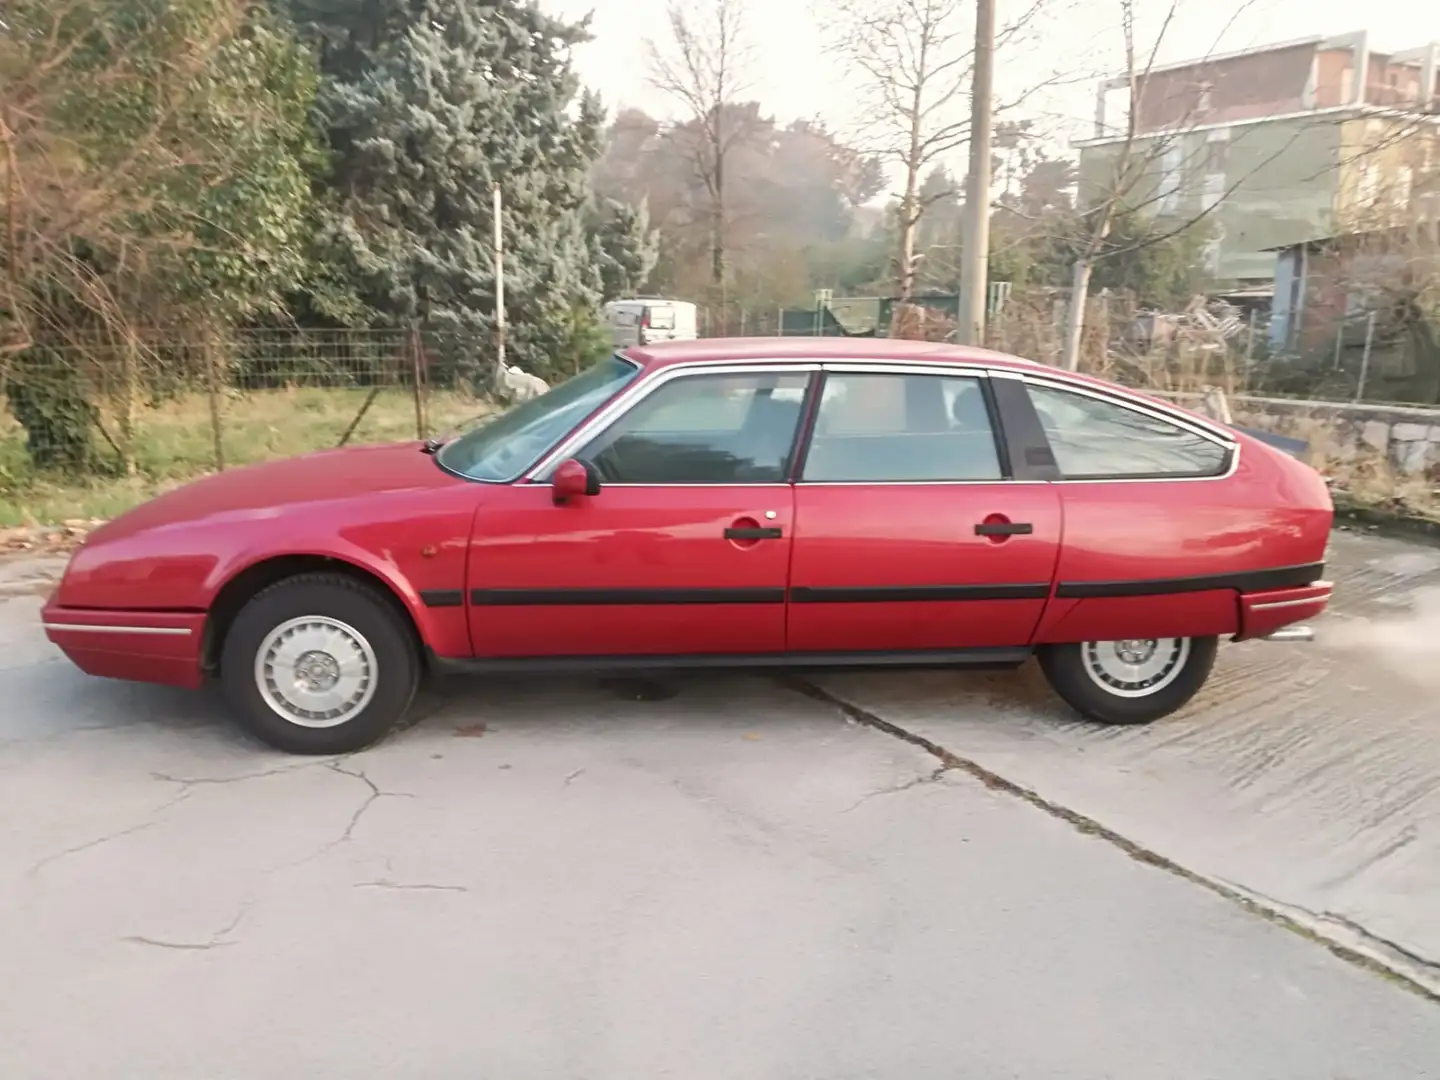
[[403, 887], [372, 796], [215, 941], [1254, 903], [150, 821], [919, 781]]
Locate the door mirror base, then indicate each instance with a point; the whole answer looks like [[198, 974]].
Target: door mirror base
[[574, 479]]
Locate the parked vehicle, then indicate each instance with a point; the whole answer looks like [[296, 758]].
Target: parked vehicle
[[648, 320], [774, 503]]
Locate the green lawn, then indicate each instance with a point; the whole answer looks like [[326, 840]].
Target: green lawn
[[175, 442]]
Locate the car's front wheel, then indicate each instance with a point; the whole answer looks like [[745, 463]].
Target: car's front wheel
[[319, 664], [1134, 681]]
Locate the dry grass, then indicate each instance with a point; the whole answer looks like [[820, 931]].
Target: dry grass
[[175, 443]]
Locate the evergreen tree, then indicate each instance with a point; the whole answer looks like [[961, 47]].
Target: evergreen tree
[[626, 248], [427, 104]]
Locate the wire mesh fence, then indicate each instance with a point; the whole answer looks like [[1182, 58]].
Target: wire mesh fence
[[91, 424]]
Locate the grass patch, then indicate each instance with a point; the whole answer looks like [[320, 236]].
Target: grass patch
[[174, 443]]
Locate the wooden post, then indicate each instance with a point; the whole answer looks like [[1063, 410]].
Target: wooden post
[[212, 379]]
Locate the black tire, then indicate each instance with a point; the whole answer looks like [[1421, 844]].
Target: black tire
[[1065, 668], [391, 680]]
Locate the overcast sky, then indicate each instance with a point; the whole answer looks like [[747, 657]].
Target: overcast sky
[[794, 78]]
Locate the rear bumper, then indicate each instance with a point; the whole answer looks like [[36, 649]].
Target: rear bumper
[[1263, 614], [142, 646]]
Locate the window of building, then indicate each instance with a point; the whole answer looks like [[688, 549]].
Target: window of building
[[1100, 440], [877, 428]]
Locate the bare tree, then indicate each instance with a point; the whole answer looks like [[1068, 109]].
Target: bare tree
[[704, 67], [1128, 169], [913, 63]]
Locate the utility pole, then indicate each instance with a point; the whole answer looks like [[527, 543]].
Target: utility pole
[[976, 256], [500, 368]]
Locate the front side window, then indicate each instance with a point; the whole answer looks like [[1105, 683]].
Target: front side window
[[508, 444], [1098, 440], [705, 429], [877, 428]]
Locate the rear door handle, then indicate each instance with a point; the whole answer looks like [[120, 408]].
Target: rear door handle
[[1004, 528], [752, 534]]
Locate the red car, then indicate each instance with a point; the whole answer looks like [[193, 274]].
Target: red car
[[774, 502]]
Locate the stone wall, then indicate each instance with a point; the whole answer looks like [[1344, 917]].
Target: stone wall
[[1407, 439]]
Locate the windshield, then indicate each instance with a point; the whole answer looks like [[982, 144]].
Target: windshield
[[505, 447]]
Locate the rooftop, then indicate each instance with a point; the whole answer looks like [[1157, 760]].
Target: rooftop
[[792, 349]]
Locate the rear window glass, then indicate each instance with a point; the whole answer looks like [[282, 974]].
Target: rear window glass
[[662, 318]]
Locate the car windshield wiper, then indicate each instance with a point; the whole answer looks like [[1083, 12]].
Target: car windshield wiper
[[433, 444]]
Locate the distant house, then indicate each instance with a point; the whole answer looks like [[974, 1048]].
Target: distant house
[[1276, 143], [1328, 286]]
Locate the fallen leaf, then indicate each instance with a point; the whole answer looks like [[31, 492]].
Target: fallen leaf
[[752, 736], [470, 731]]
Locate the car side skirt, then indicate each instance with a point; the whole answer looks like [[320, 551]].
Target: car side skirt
[[927, 658]]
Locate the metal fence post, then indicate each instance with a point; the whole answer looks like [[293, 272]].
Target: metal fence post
[[1365, 357]]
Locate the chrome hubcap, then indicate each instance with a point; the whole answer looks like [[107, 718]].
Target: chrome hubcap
[[1135, 667], [316, 671]]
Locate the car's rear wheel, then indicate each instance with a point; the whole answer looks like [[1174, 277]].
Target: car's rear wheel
[[319, 664], [1135, 681]]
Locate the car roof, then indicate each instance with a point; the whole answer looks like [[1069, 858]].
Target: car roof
[[789, 349]]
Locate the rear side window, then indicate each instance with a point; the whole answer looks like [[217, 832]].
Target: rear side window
[[1100, 440], [876, 428]]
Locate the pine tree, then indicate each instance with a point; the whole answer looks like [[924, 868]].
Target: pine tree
[[626, 248], [427, 105]]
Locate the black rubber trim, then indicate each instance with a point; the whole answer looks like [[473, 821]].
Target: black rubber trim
[[892, 594], [443, 597], [753, 534], [621, 597], [1246, 581], [1028, 448], [922, 658], [1009, 528]]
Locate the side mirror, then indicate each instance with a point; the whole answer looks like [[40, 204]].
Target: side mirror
[[574, 478]]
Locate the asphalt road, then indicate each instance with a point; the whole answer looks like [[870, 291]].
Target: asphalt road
[[721, 877]]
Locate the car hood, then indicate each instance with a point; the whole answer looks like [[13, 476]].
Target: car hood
[[263, 489]]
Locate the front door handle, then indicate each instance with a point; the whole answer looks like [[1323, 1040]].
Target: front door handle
[[758, 533], [1004, 528]]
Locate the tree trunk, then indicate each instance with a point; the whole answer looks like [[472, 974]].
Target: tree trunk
[[909, 224], [1075, 315]]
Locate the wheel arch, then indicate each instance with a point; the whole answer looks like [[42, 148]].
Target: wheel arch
[[246, 583]]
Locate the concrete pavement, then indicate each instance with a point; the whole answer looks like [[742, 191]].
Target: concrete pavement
[[711, 877]]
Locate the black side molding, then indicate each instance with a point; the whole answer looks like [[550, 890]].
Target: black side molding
[[899, 594], [621, 597], [1285, 577], [753, 534], [443, 597]]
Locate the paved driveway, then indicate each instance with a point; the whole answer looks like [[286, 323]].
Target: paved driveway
[[717, 877]]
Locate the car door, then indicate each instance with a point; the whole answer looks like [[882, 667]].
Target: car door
[[912, 532], [1158, 535], [683, 550]]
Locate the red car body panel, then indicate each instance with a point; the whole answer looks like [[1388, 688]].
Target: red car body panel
[[501, 571], [387, 510], [902, 564], [642, 568]]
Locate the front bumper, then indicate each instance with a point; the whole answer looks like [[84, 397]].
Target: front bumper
[[142, 646]]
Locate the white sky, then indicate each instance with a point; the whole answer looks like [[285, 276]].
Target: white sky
[[1081, 38]]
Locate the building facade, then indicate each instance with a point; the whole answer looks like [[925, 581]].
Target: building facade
[[1268, 147]]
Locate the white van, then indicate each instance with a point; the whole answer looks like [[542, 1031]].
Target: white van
[[649, 319]]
